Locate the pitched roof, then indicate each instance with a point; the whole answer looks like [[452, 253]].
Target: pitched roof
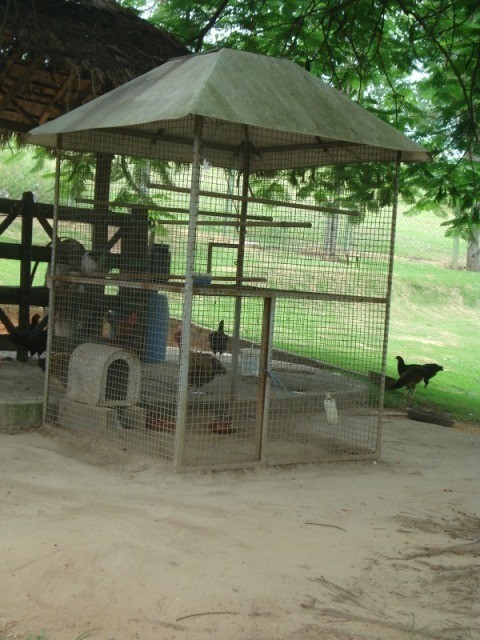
[[231, 89]]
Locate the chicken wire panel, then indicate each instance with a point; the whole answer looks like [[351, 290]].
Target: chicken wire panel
[[316, 243], [221, 427], [322, 405], [313, 231], [113, 255], [121, 383]]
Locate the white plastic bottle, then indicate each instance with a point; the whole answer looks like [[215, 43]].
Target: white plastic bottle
[[330, 409]]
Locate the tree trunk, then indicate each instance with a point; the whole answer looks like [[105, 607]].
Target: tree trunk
[[455, 252], [330, 244], [473, 252]]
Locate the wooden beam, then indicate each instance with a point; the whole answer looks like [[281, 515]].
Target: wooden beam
[[47, 227], [247, 223], [16, 87], [7, 221], [212, 245], [5, 320], [267, 201], [38, 296], [13, 251], [157, 207], [264, 383], [218, 289], [60, 94]]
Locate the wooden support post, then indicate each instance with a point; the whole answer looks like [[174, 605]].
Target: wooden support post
[[103, 167], [264, 382], [240, 262], [182, 405], [25, 269], [388, 304], [134, 236]]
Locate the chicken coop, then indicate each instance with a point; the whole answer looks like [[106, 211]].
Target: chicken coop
[[222, 263]]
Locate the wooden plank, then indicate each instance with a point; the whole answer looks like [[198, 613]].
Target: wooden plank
[[268, 201], [6, 344], [241, 224], [9, 326], [38, 296], [156, 207], [223, 290], [7, 222], [47, 227], [25, 269], [12, 251], [263, 395]]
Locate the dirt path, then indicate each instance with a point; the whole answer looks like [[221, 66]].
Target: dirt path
[[97, 541]]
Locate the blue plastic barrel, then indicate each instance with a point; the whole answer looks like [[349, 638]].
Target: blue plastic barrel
[[156, 328]]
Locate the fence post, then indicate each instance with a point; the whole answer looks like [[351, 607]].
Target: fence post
[[25, 268]]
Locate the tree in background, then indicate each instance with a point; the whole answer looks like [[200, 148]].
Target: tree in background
[[414, 64]]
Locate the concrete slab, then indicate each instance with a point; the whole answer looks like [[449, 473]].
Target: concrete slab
[[21, 394]]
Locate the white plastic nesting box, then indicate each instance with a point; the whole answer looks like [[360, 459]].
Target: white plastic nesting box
[[100, 375]]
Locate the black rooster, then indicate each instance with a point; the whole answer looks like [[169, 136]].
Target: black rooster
[[410, 377], [432, 369], [218, 340], [34, 321], [34, 340]]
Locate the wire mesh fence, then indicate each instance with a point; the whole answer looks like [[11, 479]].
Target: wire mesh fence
[[245, 331]]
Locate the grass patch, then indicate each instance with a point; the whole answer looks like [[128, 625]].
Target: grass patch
[[435, 318], [435, 313]]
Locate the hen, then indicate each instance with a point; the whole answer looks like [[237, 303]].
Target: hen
[[218, 339], [410, 377], [203, 368], [432, 369]]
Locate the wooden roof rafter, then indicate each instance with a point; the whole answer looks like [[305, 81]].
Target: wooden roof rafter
[[56, 55]]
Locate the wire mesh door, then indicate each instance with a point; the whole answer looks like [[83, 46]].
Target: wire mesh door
[[222, 427], [321, 405]]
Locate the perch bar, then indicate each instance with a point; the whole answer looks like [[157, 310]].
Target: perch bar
[[268, 201]]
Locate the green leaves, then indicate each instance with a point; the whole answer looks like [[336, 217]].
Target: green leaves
[[414, 64]]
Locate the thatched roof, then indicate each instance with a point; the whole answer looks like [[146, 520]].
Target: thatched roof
[[59, 54]]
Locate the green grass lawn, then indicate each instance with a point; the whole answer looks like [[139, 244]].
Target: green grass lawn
[[435, 316]]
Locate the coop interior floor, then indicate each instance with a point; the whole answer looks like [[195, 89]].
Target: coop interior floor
[[25, 380], [288, 380], [23, 383]]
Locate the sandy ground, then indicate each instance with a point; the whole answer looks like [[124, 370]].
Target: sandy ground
[[94, 540]]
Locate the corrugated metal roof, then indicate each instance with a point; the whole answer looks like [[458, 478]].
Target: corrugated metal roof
[[293, 119]]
